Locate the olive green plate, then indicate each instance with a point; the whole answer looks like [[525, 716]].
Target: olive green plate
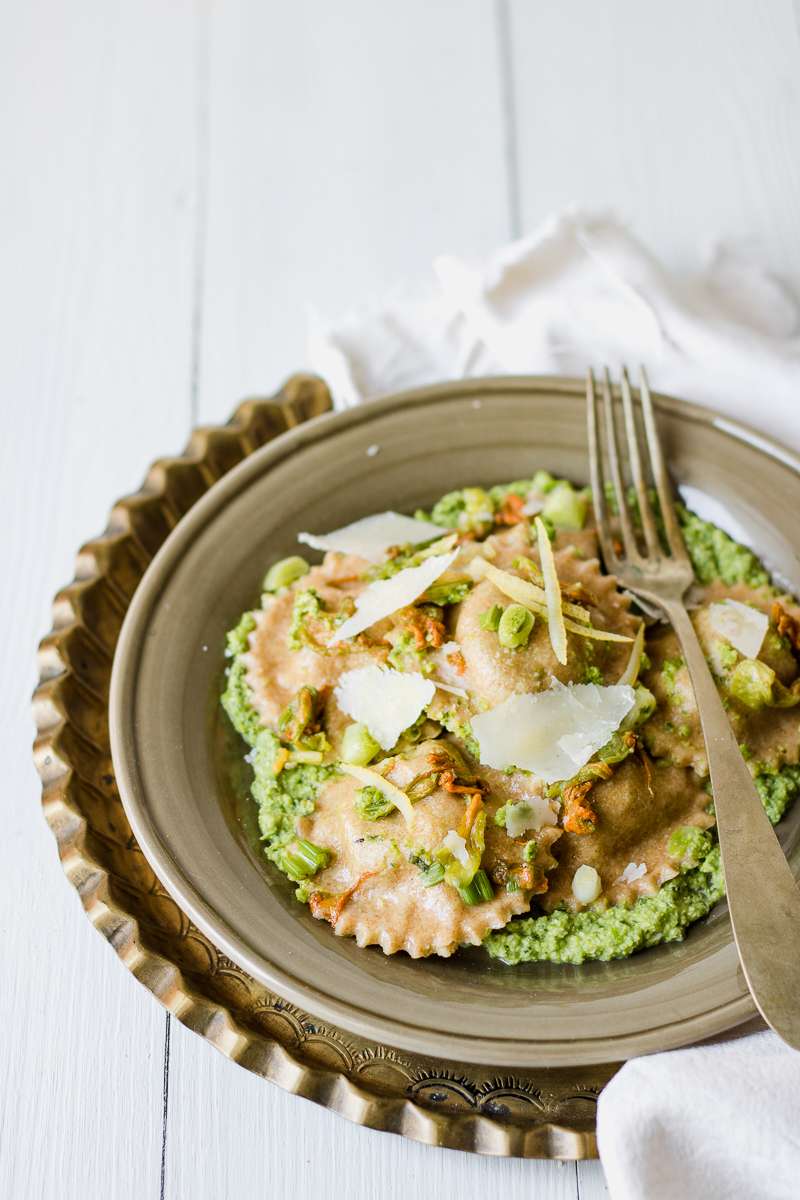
[[400, 453]]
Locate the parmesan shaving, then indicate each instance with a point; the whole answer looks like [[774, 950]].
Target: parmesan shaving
[[534, 503], [632, 872], [740, 624], [553, 733], [385, 596], [555, 617], [443, 664], [522, 590], [371, 537], [383, 700], [446, 687], [631, 672], [596, 635], [370, 778], [524, 815], [457, 846]]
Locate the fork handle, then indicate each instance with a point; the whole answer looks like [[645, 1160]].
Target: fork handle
[[763, 897]]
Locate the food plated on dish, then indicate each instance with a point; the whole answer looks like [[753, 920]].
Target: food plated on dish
[[462, 732]]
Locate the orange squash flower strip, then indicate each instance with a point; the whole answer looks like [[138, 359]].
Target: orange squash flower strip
[[330, 908]]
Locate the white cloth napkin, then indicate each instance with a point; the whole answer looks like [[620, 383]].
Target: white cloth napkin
[[714, 1121], [579, 291], [717, 1121]]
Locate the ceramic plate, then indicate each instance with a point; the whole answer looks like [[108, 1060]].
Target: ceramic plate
[[401, 453]]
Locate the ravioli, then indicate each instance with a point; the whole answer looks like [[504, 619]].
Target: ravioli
[[393, 907], [637, 810], [419, 847], [769, 735], [493, 672]]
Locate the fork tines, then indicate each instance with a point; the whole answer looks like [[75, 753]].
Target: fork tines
[[628, 547]]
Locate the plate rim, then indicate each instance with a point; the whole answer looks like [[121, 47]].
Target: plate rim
[[349, 1016]]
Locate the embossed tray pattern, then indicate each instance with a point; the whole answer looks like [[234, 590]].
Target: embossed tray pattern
[[533, 1113]]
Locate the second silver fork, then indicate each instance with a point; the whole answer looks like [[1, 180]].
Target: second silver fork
[[763, 897]]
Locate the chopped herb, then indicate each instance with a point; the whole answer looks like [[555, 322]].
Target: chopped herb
[[448, 593], [469, 510], [644, 706], [372, 804], [669, 672], [478, 891], [406, 653], [307, 604], [728, 656], [410, 555], [432, 870], [302, 859]]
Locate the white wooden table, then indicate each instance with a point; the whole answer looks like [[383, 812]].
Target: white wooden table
[[179, 180]]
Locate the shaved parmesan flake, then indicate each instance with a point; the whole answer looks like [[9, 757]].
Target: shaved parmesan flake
[[586, 884], [457, 846], [442, 660], [386, 701], [446, 687], [595, 635], [476, 567], [553, 733], [523, 815], [372, 779], [740, 624], [371, 537], [555, 618], [522, 590], [632, 872], [534, 503], [385, 596], [631, 672]]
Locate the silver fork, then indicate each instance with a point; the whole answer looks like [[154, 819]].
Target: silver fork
[[763, 898]]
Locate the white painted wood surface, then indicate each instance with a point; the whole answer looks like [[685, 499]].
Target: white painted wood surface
[[180, 181]]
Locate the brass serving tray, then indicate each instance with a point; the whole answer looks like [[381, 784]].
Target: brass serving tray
[[538, 1113]]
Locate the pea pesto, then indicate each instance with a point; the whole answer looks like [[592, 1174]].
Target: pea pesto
[[460, 731]]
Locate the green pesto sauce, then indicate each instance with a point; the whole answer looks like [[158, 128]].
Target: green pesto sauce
[[778, 790], [280, 799], [715, 555], [616, 932]]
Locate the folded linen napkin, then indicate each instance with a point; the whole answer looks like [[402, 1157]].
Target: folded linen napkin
[[717, 1120]]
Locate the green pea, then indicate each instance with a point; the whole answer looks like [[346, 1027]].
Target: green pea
[[515, 626], [358, 745], [490, 619], [284, 573]]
